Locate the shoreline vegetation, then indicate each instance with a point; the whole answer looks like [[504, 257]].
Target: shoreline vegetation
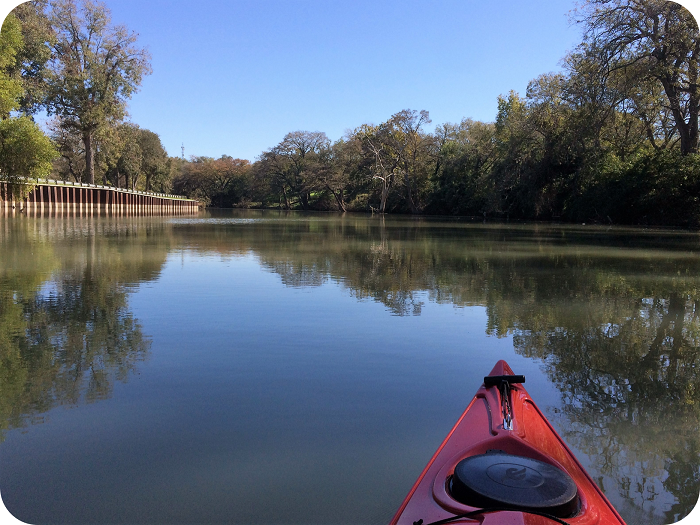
[[613, 138]]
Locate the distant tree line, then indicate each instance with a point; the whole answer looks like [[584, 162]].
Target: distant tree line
[[613, 138]]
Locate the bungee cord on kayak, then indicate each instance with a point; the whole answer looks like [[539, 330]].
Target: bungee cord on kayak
[[493, 509], [503, 383]]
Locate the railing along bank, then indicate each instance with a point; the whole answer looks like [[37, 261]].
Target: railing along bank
[[54, 197]]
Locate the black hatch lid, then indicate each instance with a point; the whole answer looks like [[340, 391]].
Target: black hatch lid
[[499, 479]]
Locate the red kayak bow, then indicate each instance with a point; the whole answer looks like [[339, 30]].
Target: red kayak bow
[[504, 464]]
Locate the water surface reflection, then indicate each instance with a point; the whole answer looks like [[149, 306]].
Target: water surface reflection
[[66, 332], [608, 318]]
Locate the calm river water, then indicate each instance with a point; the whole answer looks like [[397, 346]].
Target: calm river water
[[263, 367]]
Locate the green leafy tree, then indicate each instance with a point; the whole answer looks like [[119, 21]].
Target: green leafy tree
[[400, 153], [153, 159], [10, 83], [71, 163], [127, 169], [344, 173], [462, 183], [31, 60], [96, 69], [413, 146], [649, 40], [25, 151], [171, 170], [293, 166], [518, 148]]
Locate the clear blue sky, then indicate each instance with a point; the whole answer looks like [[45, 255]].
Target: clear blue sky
[[233, 77]]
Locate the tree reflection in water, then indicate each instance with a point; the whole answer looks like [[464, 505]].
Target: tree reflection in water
[[637, 368], [612, 316], [66, 332]]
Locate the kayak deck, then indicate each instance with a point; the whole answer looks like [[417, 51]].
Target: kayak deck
[[502, 420]]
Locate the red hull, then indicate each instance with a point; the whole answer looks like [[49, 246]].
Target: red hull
[[480, 429]]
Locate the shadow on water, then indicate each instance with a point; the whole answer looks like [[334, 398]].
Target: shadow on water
[[612, 315]]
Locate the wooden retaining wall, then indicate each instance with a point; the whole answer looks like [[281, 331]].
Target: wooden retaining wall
[[53, 198]]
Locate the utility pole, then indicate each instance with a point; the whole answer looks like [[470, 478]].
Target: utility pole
[[183, 151]]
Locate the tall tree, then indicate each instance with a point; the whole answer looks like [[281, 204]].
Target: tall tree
[[463, 159], [96, 68], [399, 150], [413, 146], [649, 39], [377, 145], [71, 164], [126, 170], [343, 167]]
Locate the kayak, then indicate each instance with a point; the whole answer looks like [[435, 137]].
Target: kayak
[[504, 464]]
